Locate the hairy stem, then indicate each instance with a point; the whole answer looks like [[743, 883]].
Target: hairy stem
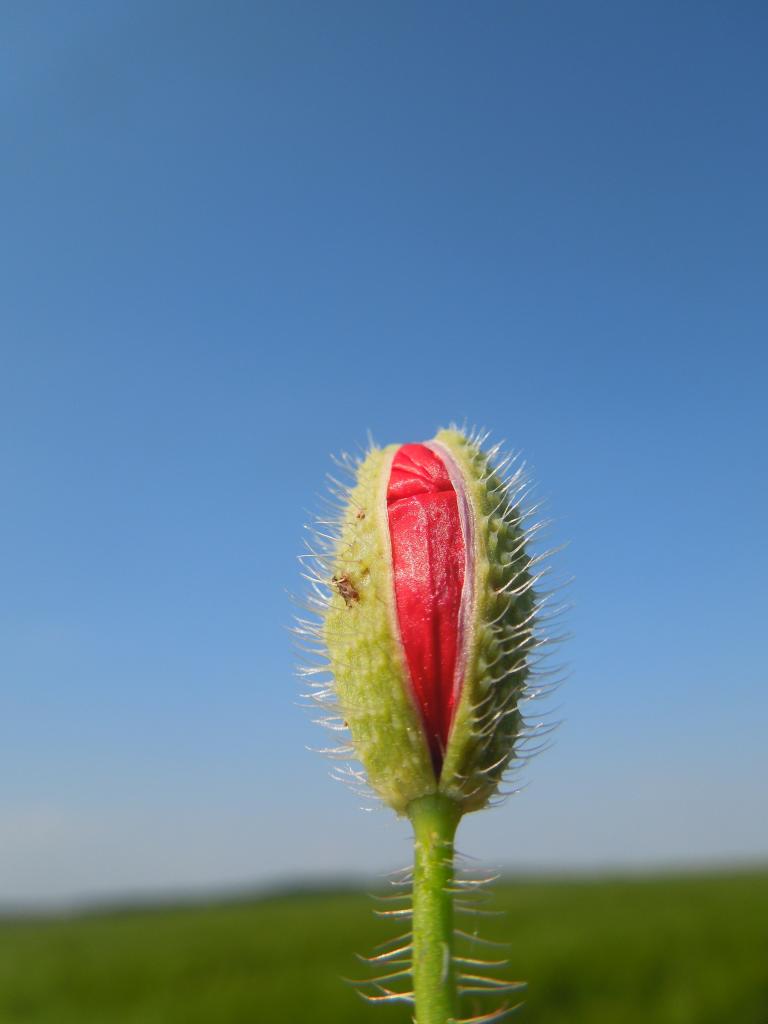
[[434, 819]]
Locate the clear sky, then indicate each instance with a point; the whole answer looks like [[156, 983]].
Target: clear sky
[[236, 236]]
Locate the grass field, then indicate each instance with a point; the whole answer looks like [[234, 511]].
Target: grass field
[[687, 950]]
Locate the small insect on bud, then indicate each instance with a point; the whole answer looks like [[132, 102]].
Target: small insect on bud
[[427, 618]]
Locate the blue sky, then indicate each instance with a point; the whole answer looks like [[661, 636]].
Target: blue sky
[[236, 237]]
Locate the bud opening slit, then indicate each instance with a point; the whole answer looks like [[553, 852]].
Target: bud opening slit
[[428, 524]]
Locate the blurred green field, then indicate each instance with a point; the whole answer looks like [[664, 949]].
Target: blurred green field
[[684, 950]]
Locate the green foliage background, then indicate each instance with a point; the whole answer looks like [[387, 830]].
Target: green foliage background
[[684, 950]]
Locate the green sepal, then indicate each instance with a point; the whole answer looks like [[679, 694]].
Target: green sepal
[[368, 664], [487, 719]]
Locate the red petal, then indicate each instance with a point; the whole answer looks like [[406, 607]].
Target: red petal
[[428, 560]]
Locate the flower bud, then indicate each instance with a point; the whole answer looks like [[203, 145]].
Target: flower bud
[[428, 619]]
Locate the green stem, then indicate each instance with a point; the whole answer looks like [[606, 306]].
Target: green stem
[[434, 819]]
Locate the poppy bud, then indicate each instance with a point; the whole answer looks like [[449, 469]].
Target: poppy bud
[[428, 618]]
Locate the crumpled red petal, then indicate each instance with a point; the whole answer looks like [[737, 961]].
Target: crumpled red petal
[[429, 561]]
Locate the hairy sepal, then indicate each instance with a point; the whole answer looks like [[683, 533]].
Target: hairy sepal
[[365, 653], [500, 633]]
